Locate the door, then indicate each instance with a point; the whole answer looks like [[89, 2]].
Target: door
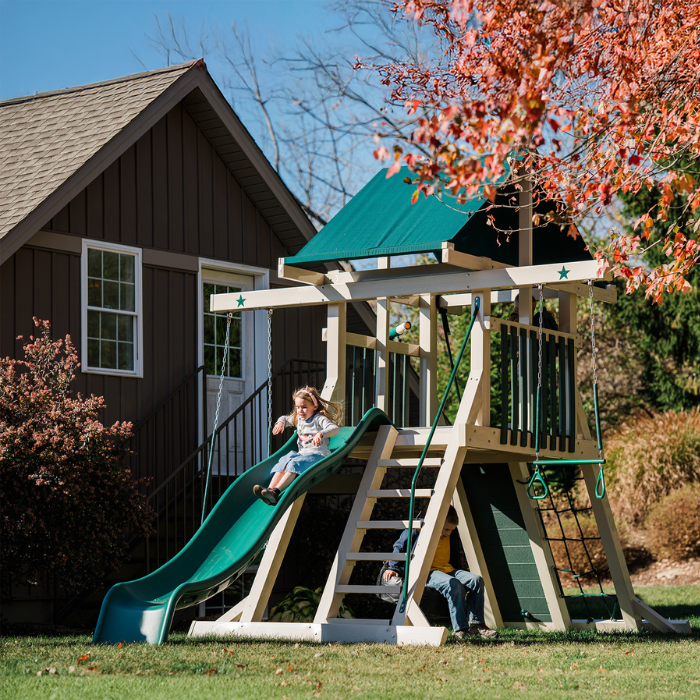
[[238, 383]]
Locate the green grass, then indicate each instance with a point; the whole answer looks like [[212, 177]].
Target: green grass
[[557, 665]]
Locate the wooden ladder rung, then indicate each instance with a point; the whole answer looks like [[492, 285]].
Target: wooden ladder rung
[[363, 589], [408, 462], [387, 524], [399, 493], [376, 556]]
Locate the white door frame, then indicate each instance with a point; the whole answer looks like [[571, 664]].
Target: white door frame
[[261, 280]]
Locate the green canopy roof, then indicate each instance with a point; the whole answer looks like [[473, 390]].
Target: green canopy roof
[[380, 220]]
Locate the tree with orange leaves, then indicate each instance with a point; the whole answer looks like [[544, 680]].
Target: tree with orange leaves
[[594, 97]]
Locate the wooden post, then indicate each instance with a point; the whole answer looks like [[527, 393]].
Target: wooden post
[[334, 388], [475, 555], [427, 312], [541, 550], [481, 354], [525, 242], [270, 565], [382, 376]]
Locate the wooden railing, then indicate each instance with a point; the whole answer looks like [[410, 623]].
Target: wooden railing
[[519, 365]]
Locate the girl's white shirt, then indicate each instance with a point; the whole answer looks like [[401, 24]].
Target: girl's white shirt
[[306, 429]]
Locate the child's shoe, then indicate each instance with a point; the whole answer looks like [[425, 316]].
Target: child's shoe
[[269, 496], [483, 631]]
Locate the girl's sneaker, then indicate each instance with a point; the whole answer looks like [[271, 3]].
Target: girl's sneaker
[[269, 496]]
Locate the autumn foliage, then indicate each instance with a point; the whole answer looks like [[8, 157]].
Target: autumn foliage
[[68, 500], [595, 97]]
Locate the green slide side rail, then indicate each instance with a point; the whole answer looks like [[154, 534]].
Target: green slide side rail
[[225, 545]]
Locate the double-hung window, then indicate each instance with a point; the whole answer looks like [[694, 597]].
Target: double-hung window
[[111, 309]]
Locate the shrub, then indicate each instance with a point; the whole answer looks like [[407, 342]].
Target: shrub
[[673, 525], [68, 499], [648, 458], [301, 605]]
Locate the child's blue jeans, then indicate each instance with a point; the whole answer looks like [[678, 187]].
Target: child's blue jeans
[[455, 587]]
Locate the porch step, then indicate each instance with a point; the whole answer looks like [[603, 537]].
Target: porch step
[[387, 524], [399, 493]]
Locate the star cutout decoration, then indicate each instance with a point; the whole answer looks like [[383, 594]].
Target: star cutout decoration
[[240, 300], [563, 273]]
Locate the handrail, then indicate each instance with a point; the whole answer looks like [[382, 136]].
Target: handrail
[[475, 311], [173, 393], [232, 417]]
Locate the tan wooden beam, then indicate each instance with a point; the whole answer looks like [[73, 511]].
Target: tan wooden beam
[[475, 555], [334, 387], [541, 551], [298, 274], [607, 295], [427, 322], [451, 256], [447, 283], [265, 578]]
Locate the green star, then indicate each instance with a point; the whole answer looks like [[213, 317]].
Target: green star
[[241, 300], [564, 273]]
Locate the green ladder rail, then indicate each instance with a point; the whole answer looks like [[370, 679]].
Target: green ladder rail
[[475, 311]]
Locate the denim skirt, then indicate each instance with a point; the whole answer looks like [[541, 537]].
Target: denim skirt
[[296, 463]]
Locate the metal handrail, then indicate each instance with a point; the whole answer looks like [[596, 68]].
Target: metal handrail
[[232, 417], [475, 311]]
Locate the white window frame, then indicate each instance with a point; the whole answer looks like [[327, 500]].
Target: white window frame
[[138, 308]]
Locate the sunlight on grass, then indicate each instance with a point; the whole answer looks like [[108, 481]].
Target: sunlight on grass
[[561, 665]]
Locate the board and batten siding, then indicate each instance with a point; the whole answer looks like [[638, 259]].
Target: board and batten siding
[[169, 192]]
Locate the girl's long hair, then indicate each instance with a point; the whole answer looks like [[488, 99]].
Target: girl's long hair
[[330, 409]]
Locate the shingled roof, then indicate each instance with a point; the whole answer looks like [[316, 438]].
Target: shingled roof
[[54, 143]]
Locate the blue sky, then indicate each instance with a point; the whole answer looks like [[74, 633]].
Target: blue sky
[[52, 44]]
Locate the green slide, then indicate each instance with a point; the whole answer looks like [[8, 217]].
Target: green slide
[[222, 549]]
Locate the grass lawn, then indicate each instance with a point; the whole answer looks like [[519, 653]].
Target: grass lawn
[[555, 665]]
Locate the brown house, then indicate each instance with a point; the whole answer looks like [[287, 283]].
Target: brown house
[[123, 205]]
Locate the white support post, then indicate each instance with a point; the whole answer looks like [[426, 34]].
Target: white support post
[[382, 354], [481, 354], [336, 349], [544, 560], [257, 599], [427, 313], [475, 555]]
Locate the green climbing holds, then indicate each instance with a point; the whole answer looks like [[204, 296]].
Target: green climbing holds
[[537, 479], [600, 483]]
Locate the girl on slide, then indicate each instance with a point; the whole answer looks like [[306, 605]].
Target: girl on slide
[[316, 421]]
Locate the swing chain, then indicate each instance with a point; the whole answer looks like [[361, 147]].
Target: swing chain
[[224, 363], [269, 366]]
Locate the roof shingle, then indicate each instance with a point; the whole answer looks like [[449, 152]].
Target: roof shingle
[[43, 142]]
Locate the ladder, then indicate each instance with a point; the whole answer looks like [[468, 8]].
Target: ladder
[[388, 454]]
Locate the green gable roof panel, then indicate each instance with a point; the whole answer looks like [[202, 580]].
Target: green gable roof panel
[[381, 221]]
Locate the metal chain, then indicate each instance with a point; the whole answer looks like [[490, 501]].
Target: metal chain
[[539, 361], [216, 416], [223, 372], [269, 367]]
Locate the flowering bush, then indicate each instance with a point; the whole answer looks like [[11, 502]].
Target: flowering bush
[[69, 501]]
